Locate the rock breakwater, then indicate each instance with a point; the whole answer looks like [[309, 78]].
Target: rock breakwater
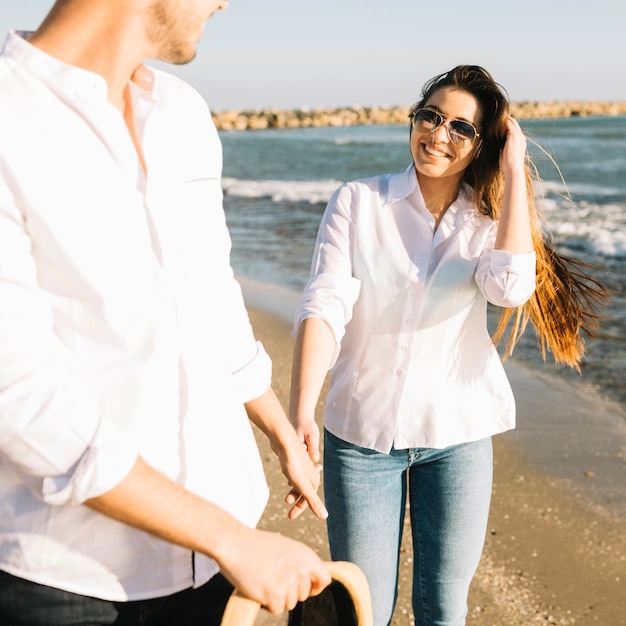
[[353, 116]]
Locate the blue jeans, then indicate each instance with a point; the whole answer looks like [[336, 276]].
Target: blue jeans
[[24, 603], [449, 493]]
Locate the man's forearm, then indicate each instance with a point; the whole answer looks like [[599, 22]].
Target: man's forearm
[[273, 570], [148, 500]]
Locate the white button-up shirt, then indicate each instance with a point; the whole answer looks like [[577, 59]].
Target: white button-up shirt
[[415, 365], [122, 329]]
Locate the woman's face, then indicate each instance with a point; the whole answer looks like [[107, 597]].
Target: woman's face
[[434, 155]]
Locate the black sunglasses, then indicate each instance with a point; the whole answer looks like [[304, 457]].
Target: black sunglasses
[[460, 132]]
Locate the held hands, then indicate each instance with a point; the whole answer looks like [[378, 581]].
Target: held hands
[[309, 435], [513, 155], [313, 352], [302, 470], [302, 473]]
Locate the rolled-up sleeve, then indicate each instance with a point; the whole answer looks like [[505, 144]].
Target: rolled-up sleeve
[[55, 440], [244, 357], [506, 279], [254, 378], [49, 433], [105, 463], [332, 290], [329, 297]]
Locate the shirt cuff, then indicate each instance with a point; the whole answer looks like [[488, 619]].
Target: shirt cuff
[[522, 263], [511, 278], [254, 378], [103, 466], [329, 297]]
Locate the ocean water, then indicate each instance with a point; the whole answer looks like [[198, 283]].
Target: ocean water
[[277, 183]]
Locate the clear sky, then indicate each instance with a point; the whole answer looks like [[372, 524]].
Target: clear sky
[[309, 53]]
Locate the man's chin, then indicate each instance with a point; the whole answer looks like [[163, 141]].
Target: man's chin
[[179, 56], [184, 60]]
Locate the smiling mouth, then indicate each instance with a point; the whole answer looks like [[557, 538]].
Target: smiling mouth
[[434, 152]]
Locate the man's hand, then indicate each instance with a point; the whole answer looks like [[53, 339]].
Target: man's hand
[[274, 570]]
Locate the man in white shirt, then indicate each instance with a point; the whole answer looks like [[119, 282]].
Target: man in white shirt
[[129, 474]]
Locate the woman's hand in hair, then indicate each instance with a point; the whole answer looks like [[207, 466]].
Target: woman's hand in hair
[[513, 155], [514, 226]]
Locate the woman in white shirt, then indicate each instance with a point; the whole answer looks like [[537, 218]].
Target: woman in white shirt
[[396, 307]]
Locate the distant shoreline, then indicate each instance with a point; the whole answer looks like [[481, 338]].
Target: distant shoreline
[[356, 115]]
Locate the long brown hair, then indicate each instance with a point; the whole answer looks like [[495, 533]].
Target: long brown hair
[[567, 300]]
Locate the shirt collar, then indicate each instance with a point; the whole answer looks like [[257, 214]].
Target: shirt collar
[[53, 71], [50, 69], [403, 184]]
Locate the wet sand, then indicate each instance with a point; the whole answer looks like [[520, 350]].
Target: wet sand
[[555, 552]]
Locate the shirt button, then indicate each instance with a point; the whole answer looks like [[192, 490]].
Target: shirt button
[[404, 347], [407, 322], [413, 295], [400, 372]]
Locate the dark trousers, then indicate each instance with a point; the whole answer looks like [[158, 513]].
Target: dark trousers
[[24, 603]]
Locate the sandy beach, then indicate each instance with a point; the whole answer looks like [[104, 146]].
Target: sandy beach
[[555, 551]]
